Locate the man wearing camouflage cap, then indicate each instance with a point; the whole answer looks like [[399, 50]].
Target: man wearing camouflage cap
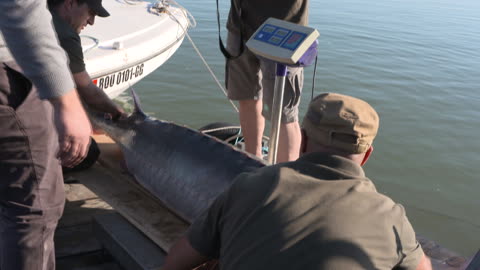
[[318, 212]]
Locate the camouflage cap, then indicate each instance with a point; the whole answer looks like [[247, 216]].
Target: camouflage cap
[[341, 122]]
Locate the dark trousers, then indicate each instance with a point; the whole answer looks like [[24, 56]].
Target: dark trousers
[[31, 183]]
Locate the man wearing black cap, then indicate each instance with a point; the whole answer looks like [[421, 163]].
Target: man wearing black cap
[[70, 17]]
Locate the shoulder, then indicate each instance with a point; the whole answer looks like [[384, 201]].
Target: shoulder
[[260, 179], [64, 31], [375, 203], [69, 38], [61, 26]]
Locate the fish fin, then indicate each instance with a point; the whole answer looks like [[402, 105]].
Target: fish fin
[[136, 102]]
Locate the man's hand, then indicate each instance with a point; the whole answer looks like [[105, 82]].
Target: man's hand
[[73, 128], [117, 113], [182, 256], [425, 263]]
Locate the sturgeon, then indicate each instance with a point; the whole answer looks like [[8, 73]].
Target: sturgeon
[[187, 169], [182, 167]]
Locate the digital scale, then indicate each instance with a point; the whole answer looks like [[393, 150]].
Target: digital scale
[[282, 42], [286, 44]]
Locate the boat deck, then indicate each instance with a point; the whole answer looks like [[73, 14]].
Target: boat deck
[[106, 192], [110, 222], [75, 244]]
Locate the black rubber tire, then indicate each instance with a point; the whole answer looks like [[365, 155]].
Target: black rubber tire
[[223, 134]]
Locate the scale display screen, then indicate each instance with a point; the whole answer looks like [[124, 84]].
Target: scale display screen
[[281, 37], [283, 42]]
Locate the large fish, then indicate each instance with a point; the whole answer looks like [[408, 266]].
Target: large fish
[[187, 169], [184, 168]]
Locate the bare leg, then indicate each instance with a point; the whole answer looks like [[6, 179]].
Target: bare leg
[[289, 142], [253, 124]]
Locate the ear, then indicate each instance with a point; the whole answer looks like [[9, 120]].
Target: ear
[[367, 155], [69, 4], [304, 141]]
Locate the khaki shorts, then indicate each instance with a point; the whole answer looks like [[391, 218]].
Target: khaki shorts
[[249, 77]]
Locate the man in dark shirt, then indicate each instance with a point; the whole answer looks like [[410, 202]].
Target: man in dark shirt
[[70, 17], [318, 212]]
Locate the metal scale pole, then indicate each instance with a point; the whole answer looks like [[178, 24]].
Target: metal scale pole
[[305, 60], [279, 89], [284, 43]]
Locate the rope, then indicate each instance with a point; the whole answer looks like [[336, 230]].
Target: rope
[[198, 51], [96, 40], [211, 71], [133, 2], [220, 128], [192, 23]]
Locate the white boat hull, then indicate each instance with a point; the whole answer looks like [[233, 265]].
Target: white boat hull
[[119, 52]]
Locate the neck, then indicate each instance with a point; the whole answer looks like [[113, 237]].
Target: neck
[[60, 11], [357, 158]]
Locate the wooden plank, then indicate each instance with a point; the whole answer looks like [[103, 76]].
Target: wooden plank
[[98, 260], [105, 266], [82, 212], [440, 257], [475, 262], [75, 240], [130, 247], [135, 204], [111, 156], [78, 192]]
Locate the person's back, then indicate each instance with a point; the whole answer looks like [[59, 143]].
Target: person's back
[[319, 212], [248, 15]]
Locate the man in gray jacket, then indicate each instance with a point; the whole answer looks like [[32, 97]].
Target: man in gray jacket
[[42, 124]]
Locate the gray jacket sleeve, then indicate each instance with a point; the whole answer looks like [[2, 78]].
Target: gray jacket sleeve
[[27, 28]]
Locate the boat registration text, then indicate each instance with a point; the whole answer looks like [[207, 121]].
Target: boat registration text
[[120, 77]]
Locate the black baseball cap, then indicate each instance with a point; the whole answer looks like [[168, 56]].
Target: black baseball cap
[[96, 6]]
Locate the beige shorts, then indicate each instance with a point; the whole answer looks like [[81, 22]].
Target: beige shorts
[[250, 77]]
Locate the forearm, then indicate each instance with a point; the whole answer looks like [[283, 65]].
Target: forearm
[[425, 263], [27, 29], [97, 99], [94, 97], [183, 256], [73, 128]]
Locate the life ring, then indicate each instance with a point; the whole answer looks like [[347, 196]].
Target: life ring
[[232, 134]]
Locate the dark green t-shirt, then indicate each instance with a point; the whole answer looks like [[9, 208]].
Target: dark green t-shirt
[[70, 42], [319, 212], [248, 15]]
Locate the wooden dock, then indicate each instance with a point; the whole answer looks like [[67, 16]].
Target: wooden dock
[[104, 206]]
